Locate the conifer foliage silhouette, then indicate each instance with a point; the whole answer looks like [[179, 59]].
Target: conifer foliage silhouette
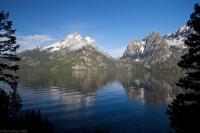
[[184, 112], [8, 49], [10, 101]]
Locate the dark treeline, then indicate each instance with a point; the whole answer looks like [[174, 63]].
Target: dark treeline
[[184, 111]]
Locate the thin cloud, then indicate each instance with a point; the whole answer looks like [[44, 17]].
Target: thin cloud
[[32, 41]]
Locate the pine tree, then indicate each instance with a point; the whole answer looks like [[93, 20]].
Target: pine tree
[[8, 49], [10, 100], [191, 60], [184, 112], [10, 103]]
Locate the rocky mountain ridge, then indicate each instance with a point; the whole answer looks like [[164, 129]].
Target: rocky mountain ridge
[[72, 42], [156, 48], [74, 51], [79, 52]]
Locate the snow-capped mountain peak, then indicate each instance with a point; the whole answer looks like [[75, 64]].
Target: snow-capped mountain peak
[[178, 37], [179, 34], [72, 42], [89, 39], [157, 48]]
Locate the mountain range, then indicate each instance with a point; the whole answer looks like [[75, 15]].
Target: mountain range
[[155, 48], [78, 52]]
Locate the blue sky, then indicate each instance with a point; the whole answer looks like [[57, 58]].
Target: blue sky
[[112, 23]]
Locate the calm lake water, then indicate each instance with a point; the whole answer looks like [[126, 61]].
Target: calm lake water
[[84, 100]]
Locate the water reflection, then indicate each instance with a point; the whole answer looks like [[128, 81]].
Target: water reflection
[[148, 87], [77, 88], [92, 99], [80, 87]]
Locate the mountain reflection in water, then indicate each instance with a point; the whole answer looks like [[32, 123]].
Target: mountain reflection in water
[[87, 100]]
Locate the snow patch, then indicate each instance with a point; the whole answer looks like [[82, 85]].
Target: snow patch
[[137, 60], [176, 42], [72, 42], [142, 46]]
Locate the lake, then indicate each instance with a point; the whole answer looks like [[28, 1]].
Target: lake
[[124, 102]]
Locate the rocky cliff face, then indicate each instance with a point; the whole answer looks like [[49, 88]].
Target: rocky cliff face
[[156, 48], [134, 50]]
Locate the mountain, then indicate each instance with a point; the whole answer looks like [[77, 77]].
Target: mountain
[[80, 53], [179, 34], [72, 52], [156, 48], [72, 42]]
